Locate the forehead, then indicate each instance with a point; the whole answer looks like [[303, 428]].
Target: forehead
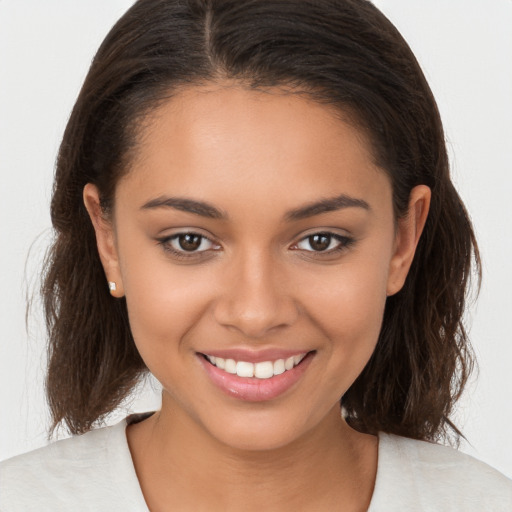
[[211, 139]]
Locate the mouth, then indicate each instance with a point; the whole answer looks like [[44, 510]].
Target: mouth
[[255, 381], [261, 370]]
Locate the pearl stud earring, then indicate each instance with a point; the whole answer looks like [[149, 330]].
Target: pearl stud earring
[[112, 286]]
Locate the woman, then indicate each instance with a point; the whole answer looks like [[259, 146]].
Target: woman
[[264, 186]]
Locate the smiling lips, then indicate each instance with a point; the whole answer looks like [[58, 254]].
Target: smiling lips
[[262, 370], [255, 381]]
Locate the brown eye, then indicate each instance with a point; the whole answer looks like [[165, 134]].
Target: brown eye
[[320, 241], [187, 244], [189, 241], [324, 242]]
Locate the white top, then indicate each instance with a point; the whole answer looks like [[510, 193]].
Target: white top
[[94, 472]]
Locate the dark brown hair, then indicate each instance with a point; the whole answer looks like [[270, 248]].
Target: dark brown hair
[[343, 53]]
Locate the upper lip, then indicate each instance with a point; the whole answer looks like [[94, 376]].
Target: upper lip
[[254, 356]]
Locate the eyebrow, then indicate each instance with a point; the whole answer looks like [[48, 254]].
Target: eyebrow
[[205, 209], [326, 205], [185, 205]]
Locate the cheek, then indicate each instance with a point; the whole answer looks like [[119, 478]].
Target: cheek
[[163, 311], [349, 310], [352, 297], [164, 300], [353, 322]]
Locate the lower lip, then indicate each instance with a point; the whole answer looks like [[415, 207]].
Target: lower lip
[[252, 389]]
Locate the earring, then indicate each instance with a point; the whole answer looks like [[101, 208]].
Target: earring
[[112, 286]]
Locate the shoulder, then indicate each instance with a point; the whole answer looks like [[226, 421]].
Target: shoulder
[[439, 478], [80, 470]]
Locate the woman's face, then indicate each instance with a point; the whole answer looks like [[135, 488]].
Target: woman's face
[[252, 231]]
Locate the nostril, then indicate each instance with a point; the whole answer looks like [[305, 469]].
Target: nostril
[[255, 320]]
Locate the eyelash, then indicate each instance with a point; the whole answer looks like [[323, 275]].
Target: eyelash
[[344, 243], [166, 243]]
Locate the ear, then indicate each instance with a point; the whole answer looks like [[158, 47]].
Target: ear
[[105, 239], [409, 230]]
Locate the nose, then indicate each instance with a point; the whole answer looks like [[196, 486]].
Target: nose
[[254, 299]]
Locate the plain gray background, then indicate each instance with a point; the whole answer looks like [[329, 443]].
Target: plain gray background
[[465, 48]]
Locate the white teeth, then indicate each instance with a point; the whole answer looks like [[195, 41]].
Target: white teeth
[[262, 370], [230, 366], [298, 359], [244, 369], [279, 367]]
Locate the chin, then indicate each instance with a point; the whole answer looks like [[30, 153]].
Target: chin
[[258, 430]]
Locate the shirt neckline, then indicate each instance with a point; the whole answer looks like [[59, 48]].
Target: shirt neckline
[[129, 489], [122, 469]]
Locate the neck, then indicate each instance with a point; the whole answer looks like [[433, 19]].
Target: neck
[[183, 468]]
